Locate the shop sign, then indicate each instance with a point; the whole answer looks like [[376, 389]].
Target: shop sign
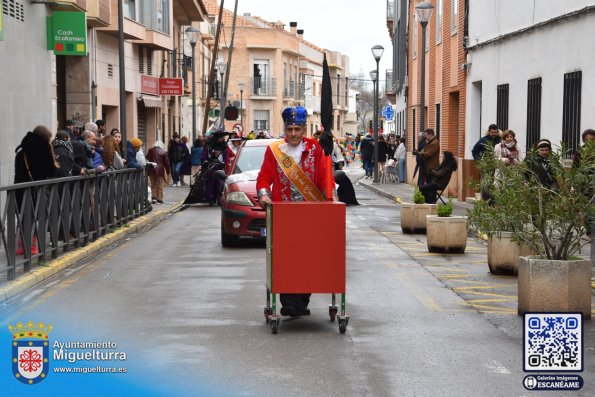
[[171, 86], [67, 33], [149, 84]]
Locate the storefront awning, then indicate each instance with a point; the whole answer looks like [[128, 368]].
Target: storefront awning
[[151, 101]]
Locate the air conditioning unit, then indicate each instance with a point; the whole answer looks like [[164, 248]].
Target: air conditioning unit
[[237, 104], [213, 29]]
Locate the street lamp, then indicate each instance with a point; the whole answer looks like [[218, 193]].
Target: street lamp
[[377, 51], [424, 12], [192, 35], [221, 67], [241, 87]]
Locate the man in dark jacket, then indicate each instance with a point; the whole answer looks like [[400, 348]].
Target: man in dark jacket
[[487, 142], [65, 156], [366, 150], [84, 152]]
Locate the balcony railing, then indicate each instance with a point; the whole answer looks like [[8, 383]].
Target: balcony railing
[[390, 10], [43, 219], [389, 88], [289, 90], [263, 87]]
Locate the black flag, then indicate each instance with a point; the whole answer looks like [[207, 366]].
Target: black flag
[[326, 110]]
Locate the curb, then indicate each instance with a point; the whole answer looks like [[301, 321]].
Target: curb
[[374, 189], [44, 272]]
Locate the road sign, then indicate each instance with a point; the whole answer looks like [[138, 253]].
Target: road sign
[[388, 113]]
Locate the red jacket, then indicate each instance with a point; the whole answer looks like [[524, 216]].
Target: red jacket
[[313, 164]]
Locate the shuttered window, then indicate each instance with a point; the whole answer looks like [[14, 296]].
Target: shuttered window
[[533, 112], [571, 112], [502, 107]]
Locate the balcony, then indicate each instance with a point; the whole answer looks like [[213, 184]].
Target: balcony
[[390, 88], [98, 13], [66, 5], [156, 40], [188, 11], [133, 30], [390, 16], [260, 87]]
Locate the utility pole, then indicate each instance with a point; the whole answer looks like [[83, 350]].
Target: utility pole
[[212, 69], [229, 53]]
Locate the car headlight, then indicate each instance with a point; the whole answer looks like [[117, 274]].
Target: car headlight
[[238, 198]]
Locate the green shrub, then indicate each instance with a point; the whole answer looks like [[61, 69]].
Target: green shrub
[[418, 198], [444, 210]]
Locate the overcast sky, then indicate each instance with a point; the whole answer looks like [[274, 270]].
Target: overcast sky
[[352, 27]]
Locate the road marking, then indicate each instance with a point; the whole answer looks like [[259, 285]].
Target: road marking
[[496, 367], [420, 294]]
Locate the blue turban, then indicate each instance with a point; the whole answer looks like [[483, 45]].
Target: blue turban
[[295, 116]]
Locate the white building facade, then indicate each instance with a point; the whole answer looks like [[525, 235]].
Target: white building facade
[[530, 68]]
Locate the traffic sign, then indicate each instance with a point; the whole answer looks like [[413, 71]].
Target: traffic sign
[[388, 113]]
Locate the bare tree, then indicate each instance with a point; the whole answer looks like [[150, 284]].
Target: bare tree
[[365, 99]]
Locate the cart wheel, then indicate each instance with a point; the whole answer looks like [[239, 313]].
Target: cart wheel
[[267, 312], [343, 320], [332, 312], [274, 326]]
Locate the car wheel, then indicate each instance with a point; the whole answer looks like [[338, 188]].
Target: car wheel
[[228, 240]]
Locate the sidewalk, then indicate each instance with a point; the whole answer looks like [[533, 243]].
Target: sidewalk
[[403, 192], [173, 198]]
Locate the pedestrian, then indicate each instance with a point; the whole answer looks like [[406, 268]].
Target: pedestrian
[[132, 147], [338, 159], [382, 151], [419, 161], [84, 152], [65, 156], [430, 154], [488, 142], [101, 129], [196, 154], [401, 157], [507, 150], [97, 150], [157, 173], [187, 165], [282, 161], [366, 149], [111, 157], [214, 158], [35, 160], [69, 129], [440, 178], [541, 168], [233, 144], [588, 137], [118, 137], [91, 126], [175, 151]]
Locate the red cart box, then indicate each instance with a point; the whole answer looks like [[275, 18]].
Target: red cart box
[[306, 247]]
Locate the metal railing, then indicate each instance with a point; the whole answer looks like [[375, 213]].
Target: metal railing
[[263, 87], [289, 90], [43, 219]]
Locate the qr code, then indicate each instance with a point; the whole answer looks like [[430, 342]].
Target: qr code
[[553, 342]]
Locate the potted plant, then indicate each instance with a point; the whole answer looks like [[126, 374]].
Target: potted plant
[[413, 216], [446, 233], [545, 207]]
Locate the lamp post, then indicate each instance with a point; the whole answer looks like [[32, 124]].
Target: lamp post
[[424, 12], [192, 35], [241, 87], [221, 67], [377, 51]]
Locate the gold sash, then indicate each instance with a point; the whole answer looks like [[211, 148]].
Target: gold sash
[[296, 175]]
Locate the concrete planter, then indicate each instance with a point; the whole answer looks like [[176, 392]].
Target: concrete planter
[[447, 234], [413, 217], [504, 253], [554, 286]]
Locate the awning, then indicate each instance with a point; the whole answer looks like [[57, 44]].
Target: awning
[[151, 101]]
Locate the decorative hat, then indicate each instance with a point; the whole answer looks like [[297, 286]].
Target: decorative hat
[[544, 143], [295, 115], [135, 142]]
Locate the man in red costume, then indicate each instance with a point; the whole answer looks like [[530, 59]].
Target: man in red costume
[[296, 169]]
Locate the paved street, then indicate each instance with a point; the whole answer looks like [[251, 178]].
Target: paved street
[[181, 304]]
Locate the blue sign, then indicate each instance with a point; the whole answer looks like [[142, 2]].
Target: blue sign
[[388, 113]]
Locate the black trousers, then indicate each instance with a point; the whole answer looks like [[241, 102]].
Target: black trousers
[[429, 192], [298, 301]]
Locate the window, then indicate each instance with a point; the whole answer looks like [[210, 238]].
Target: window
[[439, 22], [454, 15], [141, 60], [261, 73], [261, 120], [149, 61], [414, 36], [502, 107], [338, 122], [130, 9], [438, 121], [533, 112], [571, 110], [346, 91], [163, 16]]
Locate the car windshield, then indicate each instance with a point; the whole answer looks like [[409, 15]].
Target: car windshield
[[250, 159]]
